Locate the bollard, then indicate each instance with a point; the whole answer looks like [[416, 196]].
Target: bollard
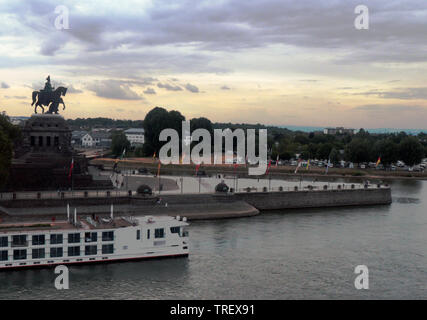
[[264, 189], [296, 188], [325, 187], [352, 186], [339, 187], [280, 188], [248, 189]]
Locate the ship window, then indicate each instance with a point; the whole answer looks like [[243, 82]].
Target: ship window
[[148, 234], [90, 250], [56, 252], [48, 141], [38, 240], [159, 233], [56, 239], [174, 229], [19, 254], [138, 234], [73, 251], [19, 240], [3, 255], [33, 141], [38, 253], [108, 236], [3, 242], [107, 249], [73, 237], [40, 141], [56, 141], [91, 237]]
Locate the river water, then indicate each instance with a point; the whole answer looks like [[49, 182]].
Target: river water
[[300, 254]]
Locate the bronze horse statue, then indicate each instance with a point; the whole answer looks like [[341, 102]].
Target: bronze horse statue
[[50, 99]]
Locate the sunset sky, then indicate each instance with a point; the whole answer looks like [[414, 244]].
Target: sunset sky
[[280, 62]]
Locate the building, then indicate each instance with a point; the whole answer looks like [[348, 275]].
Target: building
[[339, 130], [101, 139], [135, 136], [76, 138]]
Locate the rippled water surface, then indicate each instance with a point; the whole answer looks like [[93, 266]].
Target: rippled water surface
[[301, 254]]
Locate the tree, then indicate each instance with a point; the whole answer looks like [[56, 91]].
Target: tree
[[411, 151], [201, 123], [358, 150], [155, 121], [387, 150], [119, 142], [8, 135]]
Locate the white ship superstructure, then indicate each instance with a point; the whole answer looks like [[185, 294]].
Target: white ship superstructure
[[90, 240]]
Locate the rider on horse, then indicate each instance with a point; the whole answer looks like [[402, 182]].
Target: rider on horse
[[47, 87]]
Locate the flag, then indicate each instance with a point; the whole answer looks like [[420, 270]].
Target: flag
[[299, 165], [71, 168], [327, 166], [154, 154], [158, 169], [308, 163], [268, 167], [197, 168], [378, 161], [123, 154], [277, 160]]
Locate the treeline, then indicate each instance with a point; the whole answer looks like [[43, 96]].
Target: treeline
[[93, 123], [281, 142], [361, 147]]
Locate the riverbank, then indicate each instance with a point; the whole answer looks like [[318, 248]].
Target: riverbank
[[275, 171]]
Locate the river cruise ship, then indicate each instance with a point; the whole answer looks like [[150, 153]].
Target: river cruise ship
[[91, 240]]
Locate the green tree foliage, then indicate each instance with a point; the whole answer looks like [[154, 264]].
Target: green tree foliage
[[201, 123], [8, 135], [358, 150], [155, 121], [410, 151], [387, 149], [119, 142]]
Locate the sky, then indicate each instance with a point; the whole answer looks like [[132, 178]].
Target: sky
[[276, 62]]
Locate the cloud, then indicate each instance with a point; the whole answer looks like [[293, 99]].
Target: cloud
[[16, 97], [4, 85], [113, 89], [150, 91], [225, 88], [191, 88], [169, 87], [416, 93], [386, 108]]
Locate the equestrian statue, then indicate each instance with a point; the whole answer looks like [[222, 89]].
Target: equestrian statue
[[49, 97]]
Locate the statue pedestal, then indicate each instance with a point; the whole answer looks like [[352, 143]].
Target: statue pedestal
[[43, 160]]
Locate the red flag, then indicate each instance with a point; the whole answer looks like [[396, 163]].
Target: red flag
[[268, 167], [198, 167], [71, 168]]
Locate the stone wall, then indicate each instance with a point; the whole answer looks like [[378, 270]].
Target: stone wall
[[316, 198]]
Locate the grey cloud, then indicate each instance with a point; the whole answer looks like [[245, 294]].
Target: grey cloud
[[384, 108], [169, 87], [418, 93], [225, 88], [191, 88], [113, 89], [150, 91], [4, 85]]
